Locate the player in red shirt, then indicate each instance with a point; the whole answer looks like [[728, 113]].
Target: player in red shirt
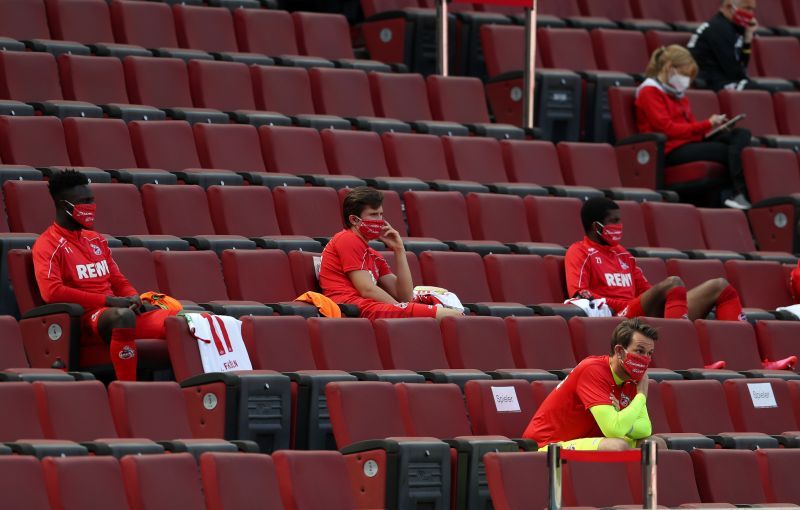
[[352, 272], [73, 264], [602, 404], [598, 267]]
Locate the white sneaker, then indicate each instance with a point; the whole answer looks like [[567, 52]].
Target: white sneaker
[[738, 202]]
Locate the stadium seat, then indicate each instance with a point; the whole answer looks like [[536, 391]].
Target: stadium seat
[[138, 267], [669, 12], [679, 226], [328, 36], [728, 229], [26, 22], [121, 213], [422, 156], [308, 211], [620, 11], [595, 165], [183, 211], [23, 484], [24, 424], [775, 465], [149, 489], [748, 416], [211, 29], [681, 399], [695, 272], [728, 476], [249, 211], [757, 105], [227, 86], [29, 206], [760, 284], [13, 362], [164, 83], [620, 50], [483, 413], [350, 345], [786, 105], [177, 276], [482, 343], [520, 279], [653, 268], [586, 485], [278, 145], [461, 99], [106, 144], [404, 96], [658, 38], [542, 210], [433, 410], [266, 31], [591, 337], [481, 160], [650, 172], [144, 24], [360, 153], [777, 339], [677, 479], [735, 343], [327, 472], [517, 480], [540, 342], [239, 480], [425, 209], [84, 482]]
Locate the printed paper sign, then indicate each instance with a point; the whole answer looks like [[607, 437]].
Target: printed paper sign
[[317, 265], [762, 395], [505, 399]]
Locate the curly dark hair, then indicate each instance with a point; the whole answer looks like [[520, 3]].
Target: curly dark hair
[[596, 209], [64, 180]]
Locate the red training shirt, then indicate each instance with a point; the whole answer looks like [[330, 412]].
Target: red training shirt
[[344, 253], [658, 112], [77, 267], [606, 271], [564, 415]]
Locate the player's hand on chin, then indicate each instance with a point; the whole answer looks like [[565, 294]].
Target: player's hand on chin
[[391, 238]]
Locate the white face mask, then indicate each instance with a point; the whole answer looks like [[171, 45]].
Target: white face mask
[[679, 81]]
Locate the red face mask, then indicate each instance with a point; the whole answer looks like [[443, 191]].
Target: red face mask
[[611, 233], [742, 18], [83, 213], [371, 229], [636, 365]]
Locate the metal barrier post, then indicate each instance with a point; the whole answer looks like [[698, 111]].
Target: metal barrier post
[[442, 41], [649, 482], [554, 471], [529, 75]]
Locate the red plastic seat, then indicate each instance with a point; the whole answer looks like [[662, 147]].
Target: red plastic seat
[[658, 38], [177, 210], [676, 478], [154, 410], [277, 343], [520, 279], [776, 466], [586, 485], [146, 24], [24, 19], [787, 106], [166, 144], [327, 472], [680, 349], [433, 410], [770, 173], [674, 225], [101, 143], [308, 211], [483, 413], [517, 480], [120, 210], [425, 209], [138, 267], [352, 421], [540, 342], [239, 480], [757, 104], [733, 342], [777, 56], [263, 276], [474, 159], [728, 476], [223, 86], [230, 146], [93, 79], [177, 275], [592, 337], [84, 482], [29, 206], [497, 217], [414, 155], [540, 212], [477, 342], [344, 344], [461, 273], [323, 35], [760, 284], [654, 9], [457, 99], [681, 401], [35, 141], [777, 340], [620, 50], [149, 489], [358, 153], [769, 420], [29, 76], [266, 31], [282, 89], [400, 96], [247, 211], [653, 268], [410, 344], [735, 236], [22, 483], [75, 411], [279, 146], [694, 272], [342, 92], [159, 82], [24, 423], [205, 28]]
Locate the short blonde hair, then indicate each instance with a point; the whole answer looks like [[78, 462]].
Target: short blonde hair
[[674, 54]]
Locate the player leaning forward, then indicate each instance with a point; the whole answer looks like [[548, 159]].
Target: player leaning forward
[[602, 404]]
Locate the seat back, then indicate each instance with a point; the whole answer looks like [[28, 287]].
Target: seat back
[[34, 141], [278, 343], [695, 272], [653, 268], [265, 31], [137, 265], [166, 144], [585, 485], [176, 210], [119, 208], [263, 276], [327, 472], [282, 89], [24, 19], [726, 229], [787, 109], [728, 476], [401, 96], [672, 225], [147, 24], [352, 421], [323, 35], [622, 103], [85, 482], [682, 399], [433, 410], [532, 161], [540, 342], [279, 146], [474, 159], [753, 410], [483, 409], [589, 164], [426, 209], [460, 272], [153, 410], [776, 464], [770, 173], [29, 205], [414, 155], [101, 143], [729, 341], [229, 146], [239, 480], [75, 411], [658, 38], [620, 50], [358, 153], [344, 344], [29, 76], [242, 210], [504, 48], [457, 99], [675, 476], [148, 488], [760, 284], [517, 480], [756, 104], [679, 348], [567, 48], [177, 273], [592, 337], [497, 217], [654, 9], [611, 9], [342, 92], [12, 353], [92, 79], [519, 279], [477, 342], [203, 28], [776, 340], [542, 210], [21, 478], [159, 82], [223, 86], [410, 344], [309, 211], [24, 422], [777, 56]]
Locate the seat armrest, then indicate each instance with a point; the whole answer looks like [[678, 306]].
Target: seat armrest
[[72, 309]]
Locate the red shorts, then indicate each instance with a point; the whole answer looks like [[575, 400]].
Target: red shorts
[[148, 325], [378, 310], [632, 309]]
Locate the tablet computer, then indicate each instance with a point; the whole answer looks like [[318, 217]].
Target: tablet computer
[[727, 125]]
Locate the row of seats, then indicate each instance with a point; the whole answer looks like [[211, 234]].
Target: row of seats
[[143, 28], [160, 482], [701, 479]]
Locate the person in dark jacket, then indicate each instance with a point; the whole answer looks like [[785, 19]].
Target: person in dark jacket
[[722, 46]]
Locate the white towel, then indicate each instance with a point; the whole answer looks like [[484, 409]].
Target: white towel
[[592, 308], [219, 340]]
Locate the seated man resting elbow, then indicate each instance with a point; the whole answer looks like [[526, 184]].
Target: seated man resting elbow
[[602, 404], [352, 272]]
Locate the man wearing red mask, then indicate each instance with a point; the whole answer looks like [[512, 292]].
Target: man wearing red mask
[[352, 272], [73, 264], [722, 46], [602, 404], [598, 267]]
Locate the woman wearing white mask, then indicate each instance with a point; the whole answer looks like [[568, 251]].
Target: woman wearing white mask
[[662, 107]]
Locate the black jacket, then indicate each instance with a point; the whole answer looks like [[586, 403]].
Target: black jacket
[[720, 51]]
